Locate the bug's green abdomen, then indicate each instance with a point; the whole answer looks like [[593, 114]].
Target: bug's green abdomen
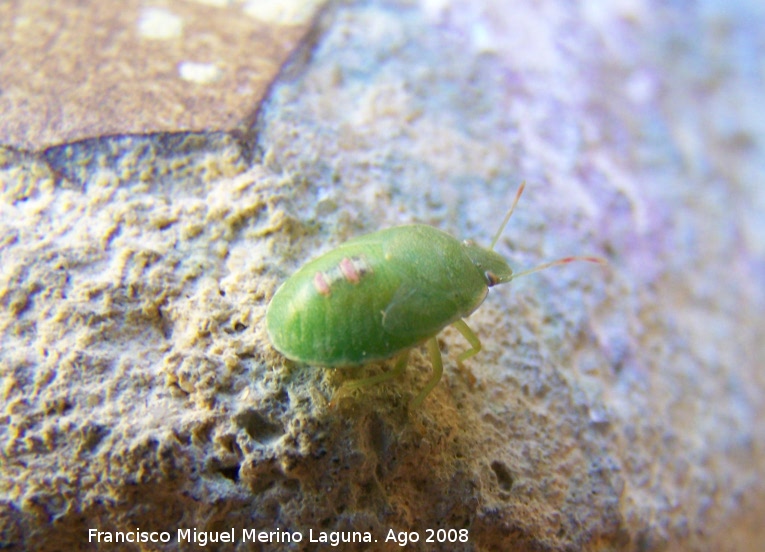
[[374, 296]]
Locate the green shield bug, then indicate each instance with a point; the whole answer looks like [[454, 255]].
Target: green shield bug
[[377, 296]]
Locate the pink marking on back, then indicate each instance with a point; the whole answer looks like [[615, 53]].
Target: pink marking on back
[[321, 284], [349, 271]]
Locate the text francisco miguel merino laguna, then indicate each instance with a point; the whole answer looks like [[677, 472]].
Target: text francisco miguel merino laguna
[[202, 538]]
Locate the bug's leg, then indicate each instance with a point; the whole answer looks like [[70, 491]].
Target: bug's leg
[[465, 330], [438, 369], [373, 380]]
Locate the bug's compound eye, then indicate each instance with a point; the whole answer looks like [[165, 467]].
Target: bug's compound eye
[[491, 278]]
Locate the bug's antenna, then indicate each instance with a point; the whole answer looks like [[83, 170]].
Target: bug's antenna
[[564, 260], [507, 216]]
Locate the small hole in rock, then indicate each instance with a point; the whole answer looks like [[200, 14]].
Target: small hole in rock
[[504, 477], [258, 427], [231, 472]]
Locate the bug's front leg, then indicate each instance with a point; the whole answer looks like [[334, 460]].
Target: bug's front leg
[[472, 338]]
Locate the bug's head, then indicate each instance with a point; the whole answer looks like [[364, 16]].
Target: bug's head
[[490, 263], [495, 268]]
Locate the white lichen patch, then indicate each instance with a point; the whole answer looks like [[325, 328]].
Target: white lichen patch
[[199, 73], [215, 3], [160, 24], [284, 12]]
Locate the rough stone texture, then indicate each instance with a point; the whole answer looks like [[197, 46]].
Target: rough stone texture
[[611, 409], [71, 70]]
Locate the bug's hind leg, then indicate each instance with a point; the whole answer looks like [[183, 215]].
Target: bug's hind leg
[[438, 370], [374, 380], [468, 334]]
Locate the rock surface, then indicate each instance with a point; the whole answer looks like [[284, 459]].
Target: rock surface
[[72, 70], [610, 409]]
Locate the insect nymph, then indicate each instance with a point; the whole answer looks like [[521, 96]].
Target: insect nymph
[[377, 296]]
